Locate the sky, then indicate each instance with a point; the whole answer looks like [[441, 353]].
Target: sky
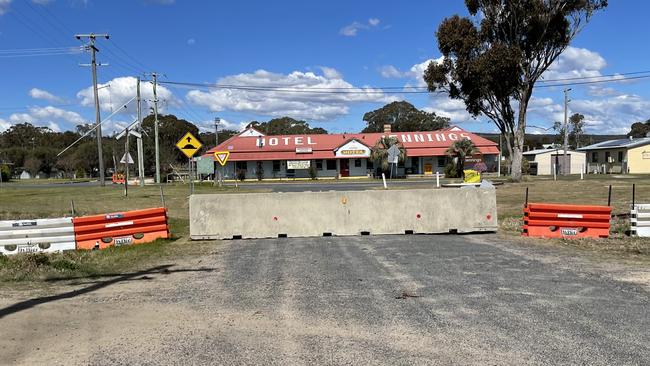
[[351, 46]]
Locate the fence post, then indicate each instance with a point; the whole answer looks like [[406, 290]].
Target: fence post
[[383, 177], [437, 180], [609, 196], [162, 196], [72, 207]]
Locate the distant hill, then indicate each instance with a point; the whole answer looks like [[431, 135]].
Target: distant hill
[[533, 141]]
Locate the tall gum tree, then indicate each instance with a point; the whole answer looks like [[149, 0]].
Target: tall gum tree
[[492, 60]]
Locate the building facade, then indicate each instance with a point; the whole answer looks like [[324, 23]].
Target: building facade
[[624, 156], [545, 161], [256, 155]]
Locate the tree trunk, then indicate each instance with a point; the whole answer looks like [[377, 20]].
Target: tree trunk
[[518, 143]]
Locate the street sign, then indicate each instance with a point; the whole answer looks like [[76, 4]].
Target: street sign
[[127, 159], [393, 154], [189, 145], [222, 157]]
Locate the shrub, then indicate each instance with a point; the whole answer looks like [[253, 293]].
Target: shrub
[[525, 167], [5, 172], [241, 174], [312, 172], [450, 170]]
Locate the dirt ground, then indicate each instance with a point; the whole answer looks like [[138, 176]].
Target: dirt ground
[[422, 299]]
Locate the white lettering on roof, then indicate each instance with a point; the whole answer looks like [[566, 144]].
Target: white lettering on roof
[[273, 141], [298, 140], [429, 137], [453, 137], [406, 138], [309, 141], [418, 137], [440, 137], [286, 140], [465, 135]]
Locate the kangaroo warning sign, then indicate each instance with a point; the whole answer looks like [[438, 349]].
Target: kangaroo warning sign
[[189, 145], [222, 157]]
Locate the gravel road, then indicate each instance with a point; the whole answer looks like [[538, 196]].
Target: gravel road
[[368, 300]]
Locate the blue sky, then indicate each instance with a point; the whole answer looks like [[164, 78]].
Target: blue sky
[[295, 44]]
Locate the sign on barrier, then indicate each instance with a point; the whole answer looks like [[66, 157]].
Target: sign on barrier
[[121, 228], [640, 220], [304, 214], [40, 235], [566, 221]]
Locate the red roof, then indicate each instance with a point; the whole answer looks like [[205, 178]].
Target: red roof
[[288, 147]]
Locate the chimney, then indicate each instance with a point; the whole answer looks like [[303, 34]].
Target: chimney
[[387, 129]]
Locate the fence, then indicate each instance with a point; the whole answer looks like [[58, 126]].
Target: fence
[[41, 235], [121, 228]]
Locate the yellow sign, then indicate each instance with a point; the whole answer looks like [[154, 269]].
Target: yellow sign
[[472, 176], [222, 157], [189, 145], [352, 152]]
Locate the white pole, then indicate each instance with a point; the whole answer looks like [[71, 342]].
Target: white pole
[[582, 172], [554, 171], [383, 177], [437, 180]]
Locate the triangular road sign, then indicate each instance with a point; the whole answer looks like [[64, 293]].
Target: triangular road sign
[[126, 159], [222, 157]]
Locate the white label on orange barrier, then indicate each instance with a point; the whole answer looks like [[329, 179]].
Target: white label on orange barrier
[[121, 223], [569, 232], [569, 216]]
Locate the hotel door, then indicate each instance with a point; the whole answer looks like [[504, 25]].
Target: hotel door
[[345, 167]]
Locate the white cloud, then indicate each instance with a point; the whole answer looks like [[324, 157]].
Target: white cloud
[[42, 2], [37, 93], [575, 62], [302, 95], [49, 116], [390, 72], [113, 95], [208, 126], [191, 41], [4, 6], [331, 73], [352, 29]]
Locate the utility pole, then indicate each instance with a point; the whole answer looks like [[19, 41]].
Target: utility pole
[[217, 120], [126, 164], [154, 76], [93, 64], [139, 140], [566, 132]]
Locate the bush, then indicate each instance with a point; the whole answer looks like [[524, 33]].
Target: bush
[[5, 172], [525, 166], [259, 172], [450, 170], [241, 174], [312, 172]]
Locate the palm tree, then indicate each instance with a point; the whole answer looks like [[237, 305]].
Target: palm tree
[[460, 150], [379, 152]]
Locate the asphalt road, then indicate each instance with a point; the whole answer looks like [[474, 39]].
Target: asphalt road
[[367, 300]]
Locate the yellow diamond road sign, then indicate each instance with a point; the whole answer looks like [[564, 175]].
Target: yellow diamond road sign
[[189, 145], [222, 157]]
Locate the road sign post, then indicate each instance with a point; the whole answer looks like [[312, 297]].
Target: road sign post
[[189, 145], [222, 158]]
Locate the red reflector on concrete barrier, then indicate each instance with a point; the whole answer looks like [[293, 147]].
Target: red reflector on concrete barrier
[[121, 228], [566, 221]]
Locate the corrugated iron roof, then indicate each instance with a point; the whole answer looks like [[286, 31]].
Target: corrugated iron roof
[[283, 147]]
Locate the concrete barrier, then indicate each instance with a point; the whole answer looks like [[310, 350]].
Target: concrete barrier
[[303, 214], [40, 235]]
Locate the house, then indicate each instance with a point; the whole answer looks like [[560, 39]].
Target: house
[[544, 161], [631, 155], [342, 155]]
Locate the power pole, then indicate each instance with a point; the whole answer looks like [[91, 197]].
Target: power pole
[[93, 64], [155, 126], [139, 141], [566, 132], [217, 120]]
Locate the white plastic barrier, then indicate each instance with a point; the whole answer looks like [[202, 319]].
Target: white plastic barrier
[[640, 220], [41, 235]]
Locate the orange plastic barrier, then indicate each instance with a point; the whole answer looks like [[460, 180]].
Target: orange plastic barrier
[[566, 221], [118, 178], [121, 228]]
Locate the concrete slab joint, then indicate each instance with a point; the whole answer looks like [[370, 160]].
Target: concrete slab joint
[[309, 214]]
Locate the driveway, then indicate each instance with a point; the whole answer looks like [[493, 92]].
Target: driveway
[[367, 300]]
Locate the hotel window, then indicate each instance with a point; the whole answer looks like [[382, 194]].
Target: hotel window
[[357, 163], [594, 157], [441, 160], [620, 156], [331, 164], [276, 165], [319, 165], [241, 165]]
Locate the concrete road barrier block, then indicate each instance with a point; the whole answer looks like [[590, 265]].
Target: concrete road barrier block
[[304, 214]]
